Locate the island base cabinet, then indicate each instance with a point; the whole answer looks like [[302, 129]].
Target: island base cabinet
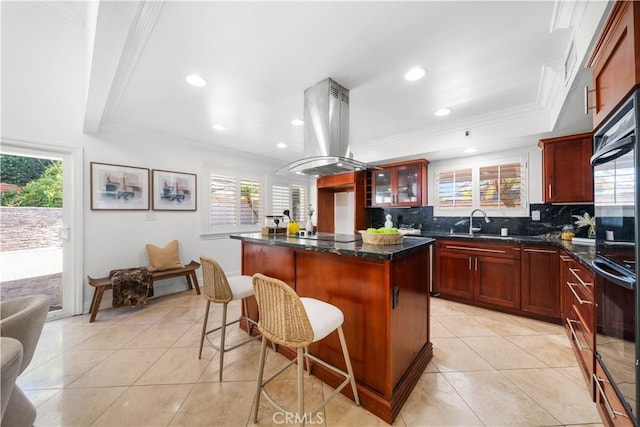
[[385, 303]]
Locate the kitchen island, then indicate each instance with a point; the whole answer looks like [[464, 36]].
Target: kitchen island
[[383, 291]]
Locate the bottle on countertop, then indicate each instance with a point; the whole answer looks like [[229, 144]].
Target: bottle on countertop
[[567, 232], [388, 223]]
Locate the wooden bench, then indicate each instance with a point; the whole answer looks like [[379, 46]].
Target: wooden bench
[[103, 283]]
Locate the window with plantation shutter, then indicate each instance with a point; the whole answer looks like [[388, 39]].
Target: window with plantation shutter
[[250, 202], [223, 201], [497, 186], [298, 203], [234, 202], [501, 186], [291, 197], [280, 199], [455, 188]]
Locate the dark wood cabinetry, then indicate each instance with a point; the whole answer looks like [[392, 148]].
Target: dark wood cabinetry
[[485, 273], [328, 186], [610, 407], [398, 184], [539, 280], [579, 314], [567, 176], [615, 59]]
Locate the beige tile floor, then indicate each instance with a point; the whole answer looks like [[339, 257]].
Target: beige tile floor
[[140, 367]]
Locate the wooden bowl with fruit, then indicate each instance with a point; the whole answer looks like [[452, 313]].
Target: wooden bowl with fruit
[[381, 236]]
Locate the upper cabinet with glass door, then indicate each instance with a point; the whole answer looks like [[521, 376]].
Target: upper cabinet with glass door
[[398, 184]]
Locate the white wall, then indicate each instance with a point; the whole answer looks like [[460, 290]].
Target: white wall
[[43, 89]]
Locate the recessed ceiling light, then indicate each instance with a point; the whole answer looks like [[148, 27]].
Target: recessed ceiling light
[[470, 150], [219, 127], [442, 112], [416, 73], [281, 145], [297, 122], [195, 80]]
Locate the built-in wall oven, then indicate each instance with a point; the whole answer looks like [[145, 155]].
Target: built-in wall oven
[[615, 162]]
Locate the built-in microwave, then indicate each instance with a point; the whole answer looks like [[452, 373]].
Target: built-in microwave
[[615, 165]]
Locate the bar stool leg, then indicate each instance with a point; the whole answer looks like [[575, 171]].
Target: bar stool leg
[[246, 314], [306, 353], [204, 328], [263, 351], [301, 358], [347, 360], [222, 337]]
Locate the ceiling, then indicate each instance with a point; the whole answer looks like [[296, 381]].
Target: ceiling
[[497, 65]]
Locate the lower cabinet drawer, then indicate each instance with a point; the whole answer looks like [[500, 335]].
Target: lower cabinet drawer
[[582, 346], [611, 408]]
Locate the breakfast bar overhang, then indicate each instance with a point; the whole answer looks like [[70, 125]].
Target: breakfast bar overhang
[[383, 291]]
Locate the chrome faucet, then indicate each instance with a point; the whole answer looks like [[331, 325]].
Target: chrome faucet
[[486, 219]]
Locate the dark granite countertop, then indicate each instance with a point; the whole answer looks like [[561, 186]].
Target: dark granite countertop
[[341, 244], [582, 253]]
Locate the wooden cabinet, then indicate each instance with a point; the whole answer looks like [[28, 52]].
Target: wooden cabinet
[[486, 273], [398, 184], [615, 59], [539, 280], [579, 320], [611, 409], [567, 176], [328, 186]]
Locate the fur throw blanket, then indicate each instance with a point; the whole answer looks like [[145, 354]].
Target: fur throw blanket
[[131, 286]]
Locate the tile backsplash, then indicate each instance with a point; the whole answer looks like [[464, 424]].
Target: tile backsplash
[[552, 219]]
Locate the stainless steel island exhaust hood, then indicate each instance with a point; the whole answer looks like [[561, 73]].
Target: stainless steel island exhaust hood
[[326, 133]]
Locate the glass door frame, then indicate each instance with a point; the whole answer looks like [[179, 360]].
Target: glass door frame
[[72, 216]]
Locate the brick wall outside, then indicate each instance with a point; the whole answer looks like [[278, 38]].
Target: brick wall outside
[[23, 228]]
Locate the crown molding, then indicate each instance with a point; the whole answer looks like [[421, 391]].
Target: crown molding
[[132, 131], [489, 119], [139, 33], [63, 9], [566, 14]]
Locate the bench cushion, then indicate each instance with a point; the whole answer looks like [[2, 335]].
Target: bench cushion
[[167, 258]]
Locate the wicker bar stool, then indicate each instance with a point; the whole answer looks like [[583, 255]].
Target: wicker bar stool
[[295, 322], [220, 289]]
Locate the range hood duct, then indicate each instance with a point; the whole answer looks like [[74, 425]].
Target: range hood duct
[[326, 133]]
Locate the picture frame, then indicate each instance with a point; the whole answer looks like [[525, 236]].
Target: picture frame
[[119, 187], [174, 191]]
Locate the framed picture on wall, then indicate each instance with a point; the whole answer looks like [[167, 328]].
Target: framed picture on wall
[[119, 187], [174, 191]]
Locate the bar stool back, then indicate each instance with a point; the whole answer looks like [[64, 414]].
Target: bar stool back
[[295, 322], [218, 288]]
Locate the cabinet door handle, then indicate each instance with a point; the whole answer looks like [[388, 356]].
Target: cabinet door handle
[[469, 263], [467, 248], [550, 191], [573, 332], [565, 258], [612, 413], [583, 283], [542, 251], [580, 300], [476, 264]]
